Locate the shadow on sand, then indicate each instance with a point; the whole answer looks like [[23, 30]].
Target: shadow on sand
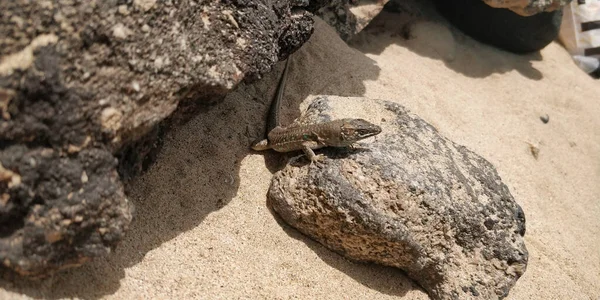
[[419, 28]]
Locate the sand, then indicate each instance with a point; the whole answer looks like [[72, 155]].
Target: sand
[[202, 228]]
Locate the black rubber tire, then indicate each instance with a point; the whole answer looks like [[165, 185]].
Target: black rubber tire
[[501, 27]]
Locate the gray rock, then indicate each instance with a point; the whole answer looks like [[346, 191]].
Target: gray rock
[[348, 17], [82, 81], [411, 199]]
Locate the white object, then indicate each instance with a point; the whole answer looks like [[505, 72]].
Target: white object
[[580, 33]]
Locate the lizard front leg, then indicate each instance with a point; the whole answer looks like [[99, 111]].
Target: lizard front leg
[[307, 147]]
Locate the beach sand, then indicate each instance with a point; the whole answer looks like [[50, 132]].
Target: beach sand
[[202, 228]]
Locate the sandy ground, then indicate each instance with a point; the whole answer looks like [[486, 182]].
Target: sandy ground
[[202, 228]]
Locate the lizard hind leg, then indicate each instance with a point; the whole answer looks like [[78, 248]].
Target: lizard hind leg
[[260, 145]]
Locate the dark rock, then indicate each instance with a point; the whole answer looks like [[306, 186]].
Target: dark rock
[[501, 27], [58, 211], [81, 81], [411, 199]]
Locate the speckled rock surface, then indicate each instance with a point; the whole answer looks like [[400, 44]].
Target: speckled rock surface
[[59, 211], [83, 81], [411, 199]]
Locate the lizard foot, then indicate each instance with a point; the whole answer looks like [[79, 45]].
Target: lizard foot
[[317, 160]]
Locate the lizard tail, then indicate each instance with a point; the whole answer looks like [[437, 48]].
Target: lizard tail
[[273, 119]]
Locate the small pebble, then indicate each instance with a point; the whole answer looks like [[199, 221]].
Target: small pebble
[[545, 118]]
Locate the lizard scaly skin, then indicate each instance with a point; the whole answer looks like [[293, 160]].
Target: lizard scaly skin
[[336, 133]]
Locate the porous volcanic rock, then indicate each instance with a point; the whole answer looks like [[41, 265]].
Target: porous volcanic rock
[[408, 198], [84, 81]]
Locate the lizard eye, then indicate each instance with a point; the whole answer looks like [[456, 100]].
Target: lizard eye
[[363, 132]]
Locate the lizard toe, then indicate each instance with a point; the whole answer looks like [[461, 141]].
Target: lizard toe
[[317, 160]]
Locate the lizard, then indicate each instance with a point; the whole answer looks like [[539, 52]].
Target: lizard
[[336, 133]]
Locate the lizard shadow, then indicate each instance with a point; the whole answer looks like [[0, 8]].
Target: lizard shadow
[[419, 28], [277, 161]]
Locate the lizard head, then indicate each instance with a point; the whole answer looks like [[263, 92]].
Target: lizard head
[[357, 129]]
